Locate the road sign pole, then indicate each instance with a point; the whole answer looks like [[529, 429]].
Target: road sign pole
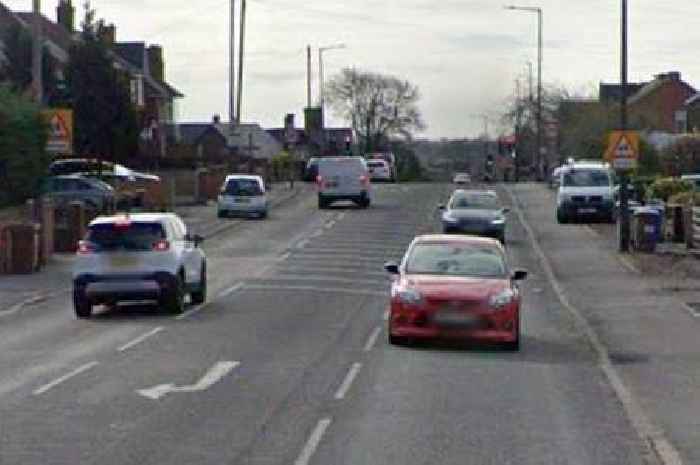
[[624, 228]]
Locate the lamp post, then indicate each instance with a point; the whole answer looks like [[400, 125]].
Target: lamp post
[[321, 79], [538, 11], [37, 46], [624, 197]]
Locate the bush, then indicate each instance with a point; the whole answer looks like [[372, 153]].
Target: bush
[[23, 157], [283, 166], [685, 198], [666, 188]]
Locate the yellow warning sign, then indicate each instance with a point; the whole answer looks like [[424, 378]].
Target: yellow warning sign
[[623, 150], [60, 123]]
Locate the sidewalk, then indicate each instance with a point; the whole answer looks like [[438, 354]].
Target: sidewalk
[[648, 329]]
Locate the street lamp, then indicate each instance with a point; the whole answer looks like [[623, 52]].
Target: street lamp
[[321, 79], [537, 10]]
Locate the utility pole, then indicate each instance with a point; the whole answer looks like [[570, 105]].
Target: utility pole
[[241, 55], [624, 197], [530, 81], [232, 66], [539, 97], [37, 52], [308, 76], [518, 121]]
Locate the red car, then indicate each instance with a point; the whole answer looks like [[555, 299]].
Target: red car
[[455, 287]]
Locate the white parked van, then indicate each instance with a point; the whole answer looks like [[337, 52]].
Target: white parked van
[[585, 191], [343, 178]]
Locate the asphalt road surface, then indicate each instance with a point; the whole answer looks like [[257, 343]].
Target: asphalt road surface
[[289, 363]]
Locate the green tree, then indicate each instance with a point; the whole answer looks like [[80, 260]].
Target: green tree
[[105, 120], [23, 158], [407, 164], [380, 107]]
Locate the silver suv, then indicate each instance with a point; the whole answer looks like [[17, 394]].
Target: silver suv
[[139, 257]]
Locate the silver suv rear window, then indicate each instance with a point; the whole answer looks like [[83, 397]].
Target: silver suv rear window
[[110, 237], [243, 187]]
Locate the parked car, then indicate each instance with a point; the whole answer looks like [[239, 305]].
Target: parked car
[[66, 166], [462, 179], [585, 191], [140, 257], [242, 194], [97, 195], [343, 178], [311, 170], [475, 212], [457, 287], [380, 170]]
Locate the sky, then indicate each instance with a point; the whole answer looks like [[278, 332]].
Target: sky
[[464, 55]]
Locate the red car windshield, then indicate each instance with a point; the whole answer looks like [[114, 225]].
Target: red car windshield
[[468, 260]]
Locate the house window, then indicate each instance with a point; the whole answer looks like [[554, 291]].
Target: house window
[[137, 94]]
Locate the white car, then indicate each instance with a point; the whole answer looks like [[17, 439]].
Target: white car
[[462, 179], [343, 178], [380, 170], [139, 257], [243, 194]]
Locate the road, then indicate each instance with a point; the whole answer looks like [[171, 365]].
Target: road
[[289, 364]]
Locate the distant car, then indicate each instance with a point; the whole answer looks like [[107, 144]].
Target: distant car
[[66, 166], [475, 212], [139, 257], [380, 170], [456, 287], [95, 194], [462, 179], [311, 170], [343, 178], [243, 194]]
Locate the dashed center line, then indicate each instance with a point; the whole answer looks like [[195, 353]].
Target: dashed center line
[[140, 339], [45, 388], [694, 313], [347, 382], [313, 442], [330, 224], [231, 290], [372, 340]]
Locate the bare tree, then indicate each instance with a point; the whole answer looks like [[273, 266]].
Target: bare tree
[[379, 107]]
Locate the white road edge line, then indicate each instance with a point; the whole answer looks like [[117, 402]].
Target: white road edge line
[[629, 265], [231, 290], [647, 432], [385, 317], [140, 339], [694, 313], [312, 444], [43, 389], [372, 339], [284, 257], [347, 382]]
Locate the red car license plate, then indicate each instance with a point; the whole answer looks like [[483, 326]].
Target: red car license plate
[[455, 320]]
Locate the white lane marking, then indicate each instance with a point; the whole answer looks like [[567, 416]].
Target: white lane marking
[[64, 378], [191, 312], [36, 299], [140, 339], [283, 257], [330, 224], [332, 290], [386, 315], [302, 244], [627, 263], [341, 216], [347, 382], [646, 430], [231, 290], [372, 339], [210, 378], [694, 313], [312, 444]]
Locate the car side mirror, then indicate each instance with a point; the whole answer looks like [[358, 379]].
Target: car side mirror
[[506, 210], [196, 238], [442, 207], [519, 275], [391, 267]]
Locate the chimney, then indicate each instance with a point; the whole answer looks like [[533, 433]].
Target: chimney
[[216, 119], [289, 121], [65, 15], [155, 63], [108, 34]]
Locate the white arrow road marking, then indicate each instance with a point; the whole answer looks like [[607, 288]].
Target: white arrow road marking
[[213, 376]]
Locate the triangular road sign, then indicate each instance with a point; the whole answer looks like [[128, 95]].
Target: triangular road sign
[[58, 128]]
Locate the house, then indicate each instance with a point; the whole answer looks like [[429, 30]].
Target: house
[[660, 103], [144, 65], [311, 141]]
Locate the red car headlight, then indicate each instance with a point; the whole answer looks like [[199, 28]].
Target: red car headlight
[[503, 299]]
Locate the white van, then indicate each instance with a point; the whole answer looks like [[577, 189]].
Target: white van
[[243, 195], [343, 178], [585, 191]]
